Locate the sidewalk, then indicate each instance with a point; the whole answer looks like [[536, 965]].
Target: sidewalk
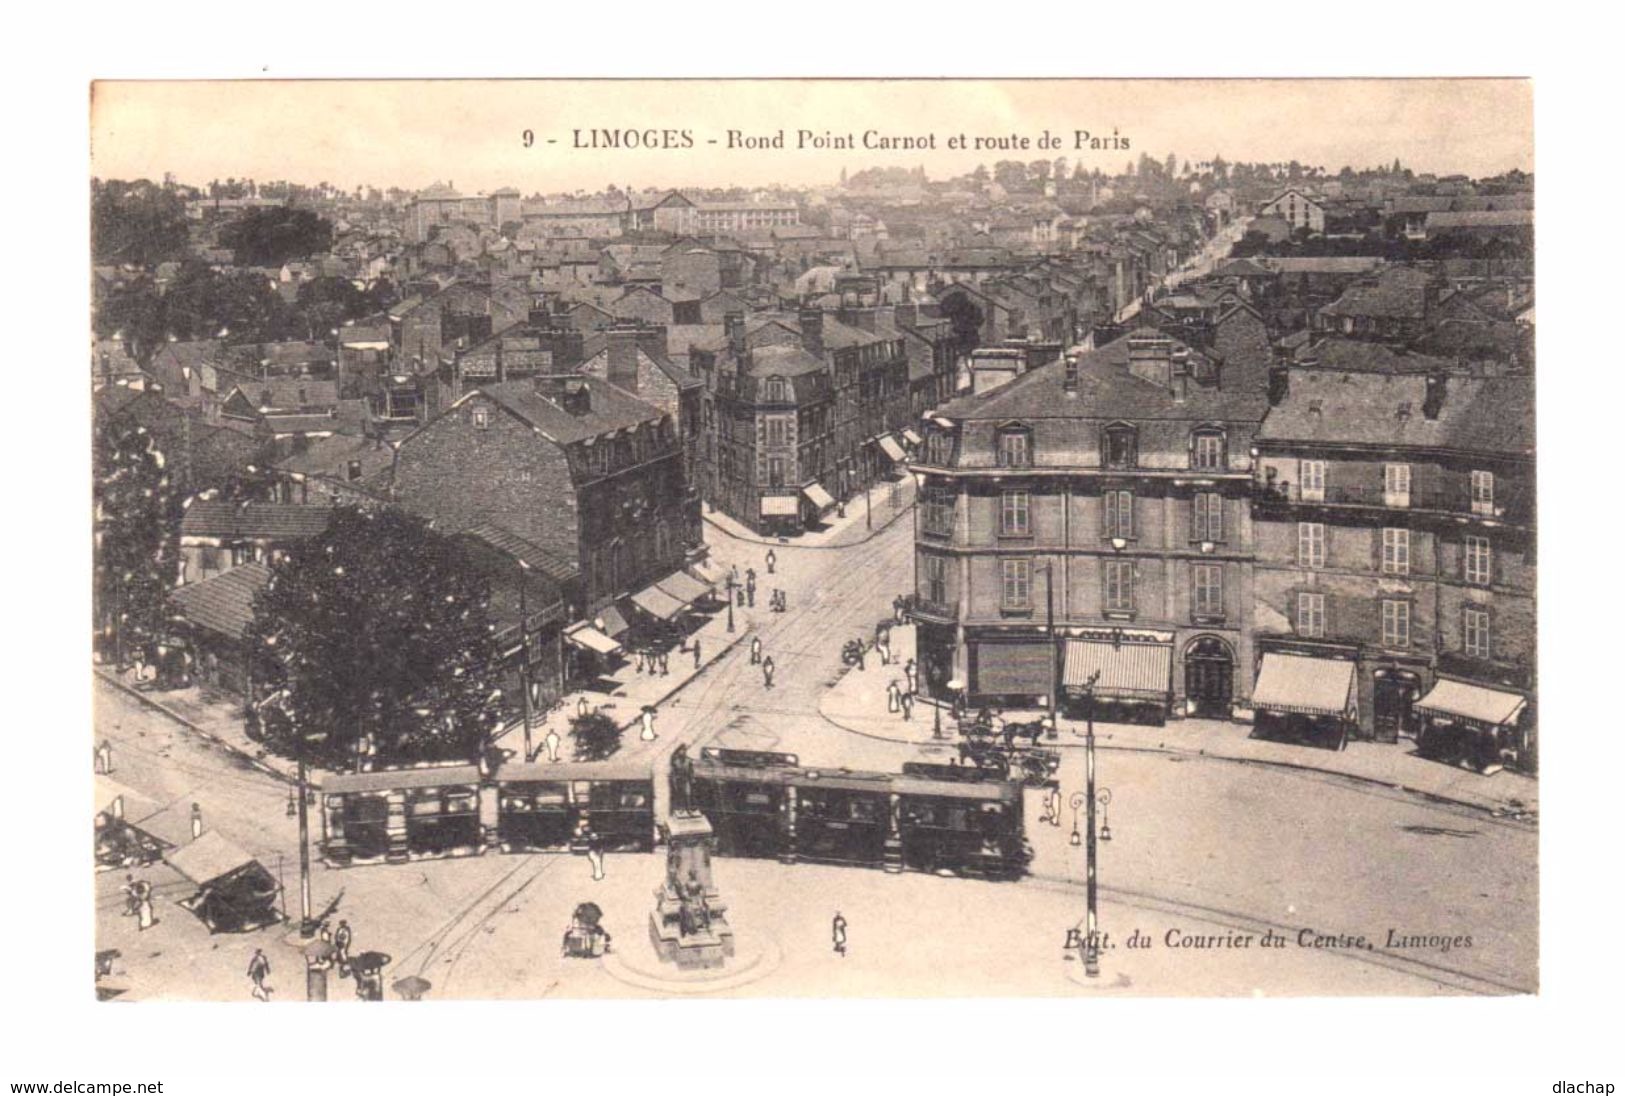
[[857, 703], [219, 720], [837, 532]]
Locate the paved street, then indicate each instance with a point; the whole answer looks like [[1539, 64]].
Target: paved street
[[1198, 845]]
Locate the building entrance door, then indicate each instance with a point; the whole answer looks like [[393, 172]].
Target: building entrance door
[[1209, 673], [1394, 692]]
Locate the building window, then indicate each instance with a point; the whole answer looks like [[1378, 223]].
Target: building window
[[1015, 514], [1207, 451], [938, 514], [1484, 493], [777, 390], [1312, 615], [1119, 513], [1396, 623], [1208, 583], [1396, 551], [1396, 485], [1312, 480], [1122, 447], [1119, 579], [1015, 449], [482, 418], [778, 430], [1475, 632], [775, 471], [1476, 561], [1207, 516], [939, 449], [1018, 584], [1311, 544], [934, 575]]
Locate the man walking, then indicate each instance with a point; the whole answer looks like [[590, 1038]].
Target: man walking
[[755, 650], [909, 672], [665, 668], [907, 702], [750, 586], [648, 734], [104, 757], [892, 694], [771, 560], [696, 652], [197, 821], [767, 672], [259, 969]]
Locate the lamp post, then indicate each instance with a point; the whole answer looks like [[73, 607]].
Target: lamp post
[[1048, 567], [1091, 936], [524, 651], [730, 601]]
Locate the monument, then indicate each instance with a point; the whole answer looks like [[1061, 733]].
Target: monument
[[689, 925]]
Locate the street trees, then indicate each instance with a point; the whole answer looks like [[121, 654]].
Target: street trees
[[378, 640], [596, 736], [137, 536]]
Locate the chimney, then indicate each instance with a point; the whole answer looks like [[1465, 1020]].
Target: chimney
[[1150, 359], [622, 371], [1433, 400], [734, 324], [812, 330], [1280, 384], [1069, 376]]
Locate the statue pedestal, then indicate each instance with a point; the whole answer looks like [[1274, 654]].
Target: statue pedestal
[[689, 925]]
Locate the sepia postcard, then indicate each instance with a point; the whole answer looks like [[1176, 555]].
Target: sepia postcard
[[821, 538]]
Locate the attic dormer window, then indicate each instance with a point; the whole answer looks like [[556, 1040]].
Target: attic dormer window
[[1207, 450], [481, 417], [1121, 446], [1015, 447]]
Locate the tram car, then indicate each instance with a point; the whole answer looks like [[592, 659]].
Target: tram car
[[930, 818], [543, 806]]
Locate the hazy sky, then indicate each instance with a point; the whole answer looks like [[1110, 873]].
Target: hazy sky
[[412, 133]]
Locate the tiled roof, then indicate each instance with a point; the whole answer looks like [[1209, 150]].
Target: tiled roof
[[225, 603], [783, 361], [1361, 356], [331, 457], [553, 566], [265, 520], [1483, 414], [610, 409], [1488, 218]]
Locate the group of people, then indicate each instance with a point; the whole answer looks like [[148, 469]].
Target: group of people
[[757, 658], [652, 660]]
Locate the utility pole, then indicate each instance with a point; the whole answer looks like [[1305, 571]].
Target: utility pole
[[1091, 936], [524, 649], [1054, 647], [307, 926]]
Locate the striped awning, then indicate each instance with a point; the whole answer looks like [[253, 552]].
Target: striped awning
[[588, 638], [780, 506], [1137, 671], [889, 445], [821, 499], [657, 603], [1461, 700], [1305, 685], [911, 437]]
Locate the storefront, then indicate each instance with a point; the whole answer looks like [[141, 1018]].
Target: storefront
[[1305, 699], [1472, 724], [1126, 675], [781, 514], [892, 448], [819, 501], [1014, 672]]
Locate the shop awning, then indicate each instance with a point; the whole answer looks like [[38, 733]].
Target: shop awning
[[685, 587], [612, 622], [820, 498], [1473, 702], [911, 437], [1132, 670], [588, 638], [208, 858], [657, 603], [780, 506], [1305, 685], [888, 444]]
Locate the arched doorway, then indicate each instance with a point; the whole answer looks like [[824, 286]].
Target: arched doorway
[[1209, 676], [1393, 694]]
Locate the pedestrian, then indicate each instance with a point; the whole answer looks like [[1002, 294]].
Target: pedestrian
[[665, 668], [755, 650], [910, 671], [143, 906], [1054, 805], [696, 652], [767, 672], [750, 579], [551, 744], [892, 695], [259, 969], [907, 701], [341, 948], [885, 649], [581, 706], [861, 648], [739, 594], [897, 606], [595, 854], [131, 891], [104, 757], [197, 821], [771, 560], [837, 930], [750, 595], [648, 717]]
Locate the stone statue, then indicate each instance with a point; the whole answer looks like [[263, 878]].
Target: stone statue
[[682, 781]]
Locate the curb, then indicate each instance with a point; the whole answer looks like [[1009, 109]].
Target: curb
[[695, 676], [1501, 812], [170, 713], [752, 538]]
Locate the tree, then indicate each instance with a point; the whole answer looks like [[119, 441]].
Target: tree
[[137, 530], [137, 222], [325, 303], [135, 311], [201, 302], [1010, 174], [376, 634], [273, 235], [596, 736]]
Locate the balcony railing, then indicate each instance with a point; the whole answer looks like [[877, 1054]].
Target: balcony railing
[[1511, 507]]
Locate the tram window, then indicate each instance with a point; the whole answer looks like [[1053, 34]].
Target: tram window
[[864, 810], [461, 803], [756, 800], [633, 800], [426, 806]]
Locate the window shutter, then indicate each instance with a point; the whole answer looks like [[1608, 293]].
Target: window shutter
[[1198, 532], [1127, 504], [1108, 512], [1376, 549]]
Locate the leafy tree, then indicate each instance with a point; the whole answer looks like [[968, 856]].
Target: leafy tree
[[273, 235], [325, 303], [375, 632], [1010, 174], [137, 528], [202, 301], [136, 222], [596, 736], [135, 310]]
